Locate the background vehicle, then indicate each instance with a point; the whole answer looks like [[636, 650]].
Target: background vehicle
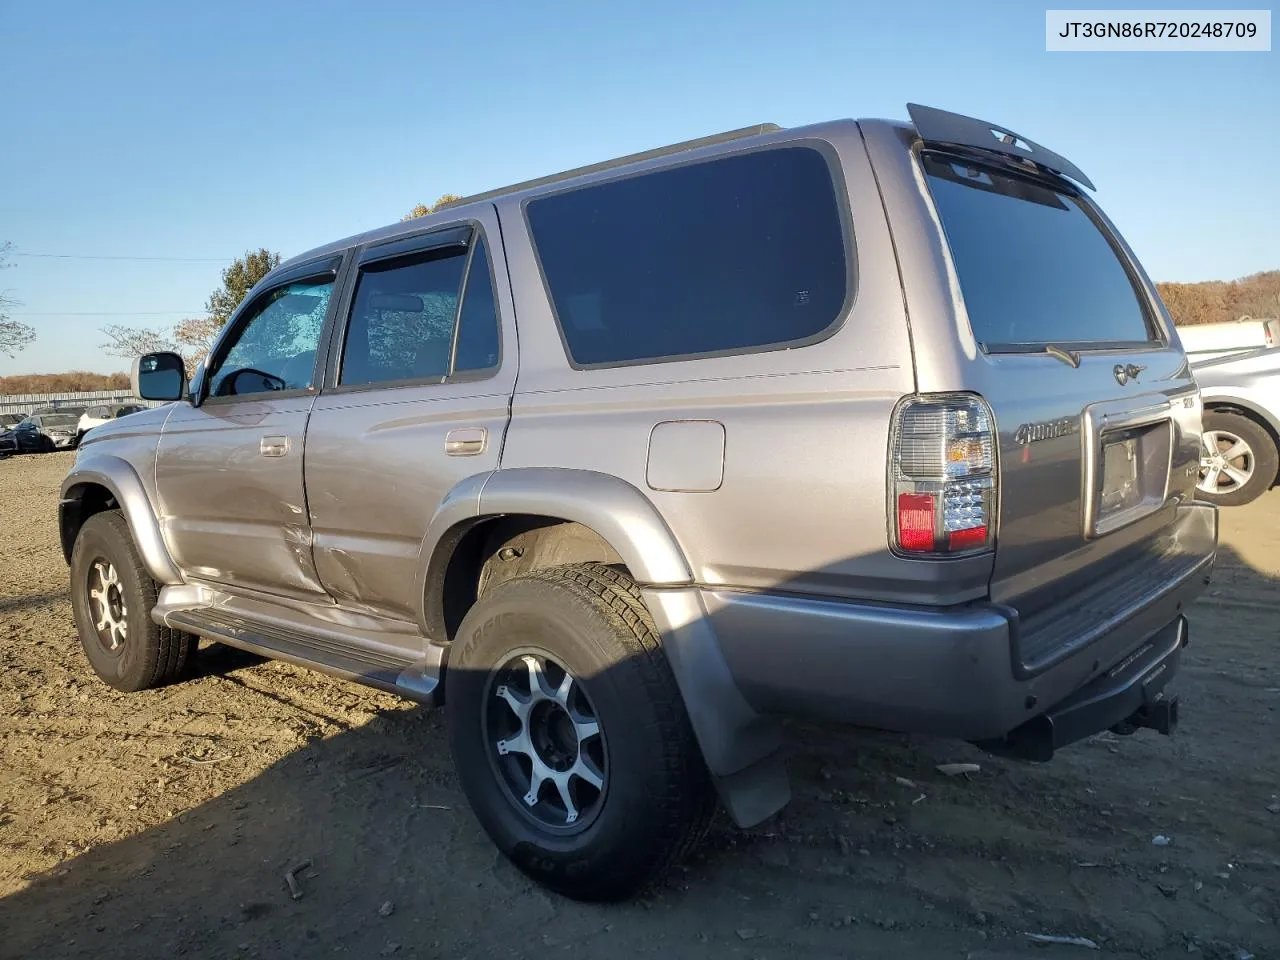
[[719, 477], [1205, 341], [71, 410], [1241, 395], [46, 432], [8, 420], [8, 443], [103, 413]]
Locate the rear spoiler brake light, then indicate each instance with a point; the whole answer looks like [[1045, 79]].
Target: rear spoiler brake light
[[954, 129]]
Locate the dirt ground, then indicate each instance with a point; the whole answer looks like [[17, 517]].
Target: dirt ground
[[161, 824]]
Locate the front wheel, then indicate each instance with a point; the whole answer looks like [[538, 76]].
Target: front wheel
[[569, 734], [111, 597], [1238, 459]]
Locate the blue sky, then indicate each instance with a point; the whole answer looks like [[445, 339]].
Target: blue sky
[[200, 131]]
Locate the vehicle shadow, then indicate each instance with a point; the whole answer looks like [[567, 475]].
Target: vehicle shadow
[[219, 660], [35, 600], [921, 863]]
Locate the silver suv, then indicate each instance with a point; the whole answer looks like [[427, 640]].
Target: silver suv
[[871, 422]]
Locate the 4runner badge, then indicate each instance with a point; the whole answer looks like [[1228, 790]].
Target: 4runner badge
[[1048, 430]]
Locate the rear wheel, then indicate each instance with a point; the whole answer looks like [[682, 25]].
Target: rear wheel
[[111, 597], [569, 734], [1238, 459]]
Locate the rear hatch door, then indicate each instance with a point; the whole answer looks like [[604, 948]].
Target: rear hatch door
[[1096, 410]]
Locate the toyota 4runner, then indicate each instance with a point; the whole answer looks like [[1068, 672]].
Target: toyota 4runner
[[871, 422]]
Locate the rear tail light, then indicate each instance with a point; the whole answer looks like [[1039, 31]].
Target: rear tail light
[[943, 475]]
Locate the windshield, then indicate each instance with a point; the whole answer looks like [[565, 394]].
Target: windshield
[[1034, 267], [55, 421]]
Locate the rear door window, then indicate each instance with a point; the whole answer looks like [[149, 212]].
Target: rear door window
[[733, 255], [1034, 267], [422, 318]]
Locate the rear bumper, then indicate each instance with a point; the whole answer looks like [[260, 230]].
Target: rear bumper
[[956, 673], [1128, 696]]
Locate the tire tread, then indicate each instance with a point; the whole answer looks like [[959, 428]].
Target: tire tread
[[689, 796], [670, 784], [166, 653]]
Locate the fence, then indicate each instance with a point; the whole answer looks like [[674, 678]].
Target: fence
[[27, 402]]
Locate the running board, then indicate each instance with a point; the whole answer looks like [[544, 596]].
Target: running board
[[415, 679]]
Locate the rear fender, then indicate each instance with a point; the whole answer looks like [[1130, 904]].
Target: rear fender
[[1218, 397], [739, 745]]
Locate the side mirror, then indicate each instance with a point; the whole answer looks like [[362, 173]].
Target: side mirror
[[159, 376]]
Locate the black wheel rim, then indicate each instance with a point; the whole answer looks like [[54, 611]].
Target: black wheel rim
[[545, 742], [108, 610]]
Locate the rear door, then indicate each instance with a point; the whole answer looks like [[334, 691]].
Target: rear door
[[416, 400], [1094, 402]]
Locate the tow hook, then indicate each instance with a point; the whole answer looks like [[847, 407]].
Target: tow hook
[[1160, 715]]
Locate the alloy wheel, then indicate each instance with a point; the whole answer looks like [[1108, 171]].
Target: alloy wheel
[[547, 743], [1226, 462], [106, 598]]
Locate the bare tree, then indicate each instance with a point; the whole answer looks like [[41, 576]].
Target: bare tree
[[131, 342], [14, 335], [195, 337], [190, 339]]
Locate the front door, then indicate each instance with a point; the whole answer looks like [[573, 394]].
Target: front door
[[229, 469], [418, 401]]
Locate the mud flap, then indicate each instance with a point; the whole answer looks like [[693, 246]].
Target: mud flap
[[742, 748]]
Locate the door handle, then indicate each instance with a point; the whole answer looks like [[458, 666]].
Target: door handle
[[465, 441], [274, 446]]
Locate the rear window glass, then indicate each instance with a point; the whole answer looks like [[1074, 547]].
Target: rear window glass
[[733, 255], [1033, 266]]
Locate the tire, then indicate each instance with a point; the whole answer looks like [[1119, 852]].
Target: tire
[[1240, 479], [656, 798], [144, 654]]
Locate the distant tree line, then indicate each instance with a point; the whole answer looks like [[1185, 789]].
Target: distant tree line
[[1220, 301], [75, 381]]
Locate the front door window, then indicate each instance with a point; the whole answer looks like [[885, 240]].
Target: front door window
[[275, 350]]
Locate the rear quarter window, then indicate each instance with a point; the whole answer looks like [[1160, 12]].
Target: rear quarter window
[[1034, 266], [737, 254]]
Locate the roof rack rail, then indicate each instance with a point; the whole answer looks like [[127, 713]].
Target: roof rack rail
[[939, 126], [715, 138]]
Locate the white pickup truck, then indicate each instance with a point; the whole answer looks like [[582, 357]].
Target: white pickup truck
[[1204, 341]]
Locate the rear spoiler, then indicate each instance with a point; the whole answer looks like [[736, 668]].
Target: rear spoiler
[[941, 127]]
